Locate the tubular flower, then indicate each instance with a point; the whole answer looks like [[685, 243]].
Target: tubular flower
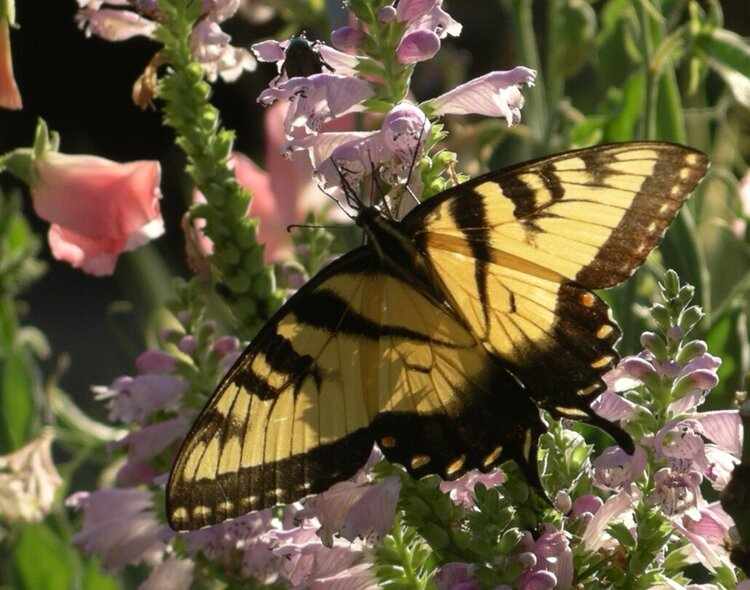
[[117, 20], [28, 481], [392, 150], [10, 97], [497, 94], [98, 208], [119, 526]]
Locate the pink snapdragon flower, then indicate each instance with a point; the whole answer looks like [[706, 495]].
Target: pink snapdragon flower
[[98, 208]]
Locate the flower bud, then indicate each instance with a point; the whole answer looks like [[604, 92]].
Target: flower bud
[[419, 45], [386, 14], [675, 333], [691, 350], [347, 37], [691, 316]]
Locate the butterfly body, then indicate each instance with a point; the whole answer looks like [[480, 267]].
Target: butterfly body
[[441, 338]]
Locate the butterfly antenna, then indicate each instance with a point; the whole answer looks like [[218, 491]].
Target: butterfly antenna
[[413, 164]]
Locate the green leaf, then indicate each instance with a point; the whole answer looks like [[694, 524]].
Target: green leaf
[[16, 399], [729, 55], [727, 338], [626, 110], [42, 560]]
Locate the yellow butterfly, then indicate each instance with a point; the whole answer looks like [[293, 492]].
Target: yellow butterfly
[[442, 337]]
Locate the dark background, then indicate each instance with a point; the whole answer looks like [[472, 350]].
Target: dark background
[[81, 86]]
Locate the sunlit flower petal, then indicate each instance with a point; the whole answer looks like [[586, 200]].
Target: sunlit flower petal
[[97, 208], [497, 94], [351, 510], [316, 99], [134, 399], [28, 481], [461, 490], [614, 468], [114, 24]]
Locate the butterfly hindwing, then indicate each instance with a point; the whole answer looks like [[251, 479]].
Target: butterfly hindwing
[[357, 356], [517, 250]]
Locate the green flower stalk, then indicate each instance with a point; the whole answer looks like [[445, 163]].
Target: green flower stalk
[[237, 256]]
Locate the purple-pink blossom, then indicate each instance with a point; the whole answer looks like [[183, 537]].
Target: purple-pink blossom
[[497, 94], [614, 468], [120, 527]]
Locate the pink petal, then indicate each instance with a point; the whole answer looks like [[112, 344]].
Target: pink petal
[[98, 208], [408, 10], [723, 427], [495, 94], [268, 51], [417, 46], [116, 25], [10, 97]]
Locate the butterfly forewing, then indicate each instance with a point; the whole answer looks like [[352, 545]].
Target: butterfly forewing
[[516, 252]]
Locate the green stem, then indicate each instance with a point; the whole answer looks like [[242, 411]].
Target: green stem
[[237, 256]]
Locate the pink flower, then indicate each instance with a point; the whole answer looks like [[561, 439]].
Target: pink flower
[[309, 564], [392, 150], [707, 532], [461, 490], [618, 507], [117, 20], [120, 527], [114, 24], [28, 481], [154, 362], [427, 15], [681, 442], [10, 97], [614, 468], [134, 399], [346, 37], [316, 99], [419, 45], [210, 47], [242, 538], [554, 561], [456, 576], [98, 208], [147, 442], [354, 509], [675, 492], [497, 94]]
